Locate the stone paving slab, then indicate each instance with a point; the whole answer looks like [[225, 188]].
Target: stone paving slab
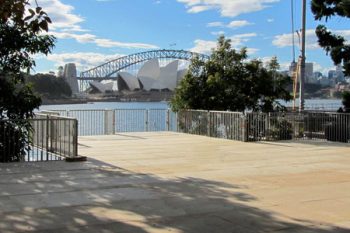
[[170, 182]]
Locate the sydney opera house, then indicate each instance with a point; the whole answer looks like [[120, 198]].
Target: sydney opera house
[[150, 77]]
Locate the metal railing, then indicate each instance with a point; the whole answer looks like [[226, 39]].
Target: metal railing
[[325, 126], [111, 121], [50, 138]]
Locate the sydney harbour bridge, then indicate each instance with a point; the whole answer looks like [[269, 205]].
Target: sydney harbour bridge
[[131, 63]]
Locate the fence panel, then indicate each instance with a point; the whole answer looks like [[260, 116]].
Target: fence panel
[[194, 122], [131, 120], [229, 125], [50, 138], [158, 120]]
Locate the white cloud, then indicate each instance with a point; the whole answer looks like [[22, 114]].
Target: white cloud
[[232, 24], [237, 41], [62, 15], [82, 60], [218, 33], [106, 43], [323, 70], [65, 25], [203, 46], [215, 24], [270, 20], [238, 24], [252, 51], [285, 40], [227, 8]]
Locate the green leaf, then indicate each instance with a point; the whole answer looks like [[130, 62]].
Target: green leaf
[[38, 9]]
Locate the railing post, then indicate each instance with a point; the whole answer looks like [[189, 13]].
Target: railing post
[[47, 137], [75, 138], [177, 121], [208, 123], [106, 121], [146, 120], [113, 122], [168, 120], [244, 128]]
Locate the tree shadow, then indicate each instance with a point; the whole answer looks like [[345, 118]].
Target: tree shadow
[[100, 197]]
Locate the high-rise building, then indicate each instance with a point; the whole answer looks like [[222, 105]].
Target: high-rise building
[[292, 68], [309, 71], [70, 75]]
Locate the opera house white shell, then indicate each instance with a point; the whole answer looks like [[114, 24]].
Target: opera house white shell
[[128, 81], [150, 77], [102, 87]]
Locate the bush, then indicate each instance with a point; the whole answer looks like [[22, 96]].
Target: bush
[[13, 142], [281, 130], [339, 129]]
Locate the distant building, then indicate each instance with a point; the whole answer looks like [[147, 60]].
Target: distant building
[[70, 75], [337, 74], [324, 81], [292, 68], [150, 77], [309, 71], [340, 73]]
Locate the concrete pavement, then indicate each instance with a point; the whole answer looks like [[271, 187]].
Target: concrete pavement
[[170, 182]]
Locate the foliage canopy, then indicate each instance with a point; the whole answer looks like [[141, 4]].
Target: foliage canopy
[[229, 81], [333, 44], [49, 86], [22, 34]]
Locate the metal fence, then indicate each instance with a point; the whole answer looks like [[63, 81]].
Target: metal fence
[[111, 121], [325, 126], [50, 138]]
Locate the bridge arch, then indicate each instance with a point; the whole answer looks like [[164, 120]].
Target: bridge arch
[[110, 68]]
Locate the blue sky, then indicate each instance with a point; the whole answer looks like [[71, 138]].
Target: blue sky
[[90, 32]]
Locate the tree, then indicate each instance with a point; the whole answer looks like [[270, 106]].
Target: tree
[[21, 36], [228, 81], [333, 44], [346, 101], [49, 86]]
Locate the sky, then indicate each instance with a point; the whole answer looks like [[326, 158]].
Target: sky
[[91, 32]]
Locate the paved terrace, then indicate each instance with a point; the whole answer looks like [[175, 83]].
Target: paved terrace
[[169, 182]]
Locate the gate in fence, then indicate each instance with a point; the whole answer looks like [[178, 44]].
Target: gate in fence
[[50, 138]]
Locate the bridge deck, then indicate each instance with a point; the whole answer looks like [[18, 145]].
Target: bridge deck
[[169, 182]]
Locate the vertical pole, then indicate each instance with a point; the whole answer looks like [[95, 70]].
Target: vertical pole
[[47, 137], [106, 122], [244, 127], [208, 123], [113, 131], [302, 61], [168, 120], [146, 120], [75, 138]]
